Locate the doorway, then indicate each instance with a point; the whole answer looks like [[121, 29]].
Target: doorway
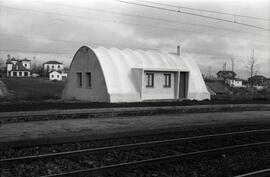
[[183, 85]]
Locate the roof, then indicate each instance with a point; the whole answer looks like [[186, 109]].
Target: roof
[[55, 71], [25, 59], [9, 62], [19, 67], [226, 72], [52, 62], [118, 67]]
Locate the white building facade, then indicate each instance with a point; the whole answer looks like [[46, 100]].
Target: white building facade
[[234, 82], [57, 75], [53, 66], [18, 68], [113, 75]]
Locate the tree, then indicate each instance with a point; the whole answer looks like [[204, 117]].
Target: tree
[[232, 61], [251, 66]]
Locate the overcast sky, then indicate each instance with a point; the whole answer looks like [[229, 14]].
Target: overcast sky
[[55, 29]]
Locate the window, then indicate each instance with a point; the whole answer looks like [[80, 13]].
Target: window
[[88, 79], [14, 73], [167, 78], [150, 80], [52, 75], [52, 66], [48, 67], [58, 66], [57, 76], [20, 73], [79, 79], [25, 65], [25, 73]]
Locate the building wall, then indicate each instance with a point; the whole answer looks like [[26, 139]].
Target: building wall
[[55, 76], [85, 61], [20, 74], [50, 67], [26, 64], [159, 91]]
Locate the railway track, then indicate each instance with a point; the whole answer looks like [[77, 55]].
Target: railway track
[[109, 159]]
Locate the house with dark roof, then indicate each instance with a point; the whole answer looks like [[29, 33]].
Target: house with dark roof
[[18, 68], [258, 81], [53, 66], [226, 74]]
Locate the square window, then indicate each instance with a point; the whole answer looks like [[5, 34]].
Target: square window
[[88, 79], [150, 79], [25, 73], [167, 79], [79, 79]]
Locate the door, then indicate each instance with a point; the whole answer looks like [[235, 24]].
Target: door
[[183, 85]]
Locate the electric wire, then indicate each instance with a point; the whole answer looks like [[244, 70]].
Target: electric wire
[[205, 10], [193, 14]]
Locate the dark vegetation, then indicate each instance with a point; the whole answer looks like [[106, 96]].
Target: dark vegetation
[[32, 89], [28, 94]]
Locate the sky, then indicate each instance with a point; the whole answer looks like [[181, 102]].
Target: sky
[[56, 29]]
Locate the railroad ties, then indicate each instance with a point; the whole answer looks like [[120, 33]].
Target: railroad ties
[[153, 154]]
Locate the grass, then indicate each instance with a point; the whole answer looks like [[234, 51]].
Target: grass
[[32, 89]]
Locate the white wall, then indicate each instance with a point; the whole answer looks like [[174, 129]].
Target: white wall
[[50, 67], [55, 76], [159, 91], [23, 74], [26, 64]]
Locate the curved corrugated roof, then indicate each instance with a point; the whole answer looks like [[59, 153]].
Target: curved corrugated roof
[[117, 67]]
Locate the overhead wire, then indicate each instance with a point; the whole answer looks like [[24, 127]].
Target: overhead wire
[[110, 21], [193, 14], [205, 10], [151, 18]]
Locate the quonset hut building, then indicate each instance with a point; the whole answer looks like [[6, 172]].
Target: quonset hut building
[[113, 75]]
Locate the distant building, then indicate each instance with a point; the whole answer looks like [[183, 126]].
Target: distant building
[[57, 75], [226, 74], [235, 82], [258, 82], [18, 68], [53, 66]]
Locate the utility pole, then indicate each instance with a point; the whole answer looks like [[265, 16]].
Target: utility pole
[[224, 66], [209, 71]]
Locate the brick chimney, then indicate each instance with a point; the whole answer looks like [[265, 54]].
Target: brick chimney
[[178, 50]]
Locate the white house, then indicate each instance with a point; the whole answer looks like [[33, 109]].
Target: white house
[[234, 82], [57, 75], [53, 66], [18, 68], [113, 75]]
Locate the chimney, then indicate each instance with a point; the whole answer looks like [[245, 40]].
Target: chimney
[[178, 50]]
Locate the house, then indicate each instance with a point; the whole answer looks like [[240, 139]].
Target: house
[[234, 82], [18, 68], [57, 75], [225, 74], [53, 66], [258, 82], [114, 75]]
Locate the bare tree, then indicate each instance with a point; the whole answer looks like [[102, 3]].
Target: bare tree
[[232, 61], [251, 66]]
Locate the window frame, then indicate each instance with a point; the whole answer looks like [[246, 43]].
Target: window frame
[[150, 80], [79, 79], [88, 79], [167, 80]]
